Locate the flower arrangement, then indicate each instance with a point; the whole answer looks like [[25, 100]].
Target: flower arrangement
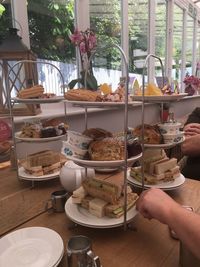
[[86, 42], [192, 84]]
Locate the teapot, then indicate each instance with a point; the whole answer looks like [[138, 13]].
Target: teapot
[[72, 175]]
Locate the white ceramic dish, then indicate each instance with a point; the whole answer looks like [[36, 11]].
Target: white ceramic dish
[[31, 247], [78, 139], [81, 216], [173, 137], [70, 150], [38, 100], [162, 98], [162, 185], [25, 176], [28, 139], [105, 164], [169, 127]]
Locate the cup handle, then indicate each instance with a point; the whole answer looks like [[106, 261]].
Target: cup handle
[[78, 178], [95, 259]]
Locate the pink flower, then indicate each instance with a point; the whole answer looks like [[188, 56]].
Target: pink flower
[[76, 38], [86, 42]]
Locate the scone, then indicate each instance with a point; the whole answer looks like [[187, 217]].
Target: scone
[[107, 149], [97, 133]]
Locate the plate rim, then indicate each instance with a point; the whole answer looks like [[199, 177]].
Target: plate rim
[[116, 222], [136, 183], [110, 164], [160, 97], [98, 104], [45, 233], [30, 177], [165, 145], [38, 100], [38, 140]]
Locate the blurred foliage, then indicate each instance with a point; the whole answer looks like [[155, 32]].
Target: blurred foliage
[[50, 25]]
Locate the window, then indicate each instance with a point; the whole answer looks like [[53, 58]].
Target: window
[[177, 43], [105, 21], [138, 34], [189, 43], [160, 33]]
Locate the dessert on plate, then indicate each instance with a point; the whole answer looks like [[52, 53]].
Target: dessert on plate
[[157, 167], [104, 197]]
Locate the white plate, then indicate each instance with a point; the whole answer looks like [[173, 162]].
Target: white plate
[[28, 139], [25, 176], [105, 164], [81, 216], [31, 247], [38, 100], [100, 104], [159, 98], [162, 185], [168, 145]]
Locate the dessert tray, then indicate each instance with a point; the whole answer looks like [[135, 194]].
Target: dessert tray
[[162, 185], [38, 100], [81, 216], [104, 164], [29, 139], [100, 104], [159, 98], [25, 176], [32, 246]]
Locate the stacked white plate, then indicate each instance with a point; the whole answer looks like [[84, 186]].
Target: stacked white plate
[[31, 247]]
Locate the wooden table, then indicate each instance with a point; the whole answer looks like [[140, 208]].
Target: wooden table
[[148, 244]]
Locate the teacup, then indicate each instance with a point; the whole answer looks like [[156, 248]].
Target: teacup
[[79, 140], [72, 175], [71, 150]]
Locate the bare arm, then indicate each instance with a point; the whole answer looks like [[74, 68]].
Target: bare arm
[[154, 203]]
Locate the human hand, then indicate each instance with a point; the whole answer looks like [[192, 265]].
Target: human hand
[[190, 146], [154, 203], [192, 129]]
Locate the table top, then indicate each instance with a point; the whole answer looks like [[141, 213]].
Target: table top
[[145, 243]]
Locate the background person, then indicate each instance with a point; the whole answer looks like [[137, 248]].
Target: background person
[[191, 146]]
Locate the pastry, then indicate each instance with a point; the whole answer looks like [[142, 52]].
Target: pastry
[[82, 95], [152, 134], [32, 92], [97, 133]]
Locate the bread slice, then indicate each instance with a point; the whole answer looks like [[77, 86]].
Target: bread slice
[[78, 195], [165, 166], [102, 189], [97, 207], [43, 158]]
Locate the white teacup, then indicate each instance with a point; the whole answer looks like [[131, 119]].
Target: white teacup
[[72, 175]]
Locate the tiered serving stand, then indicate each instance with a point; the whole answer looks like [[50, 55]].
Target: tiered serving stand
[[159, 100], [21, 66], [124, 164]]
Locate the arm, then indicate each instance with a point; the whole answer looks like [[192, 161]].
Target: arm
[[191, 146], [154, 203]]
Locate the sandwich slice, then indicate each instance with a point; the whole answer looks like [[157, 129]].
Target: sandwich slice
[[78, 195], [105, 190], [117, 210]]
